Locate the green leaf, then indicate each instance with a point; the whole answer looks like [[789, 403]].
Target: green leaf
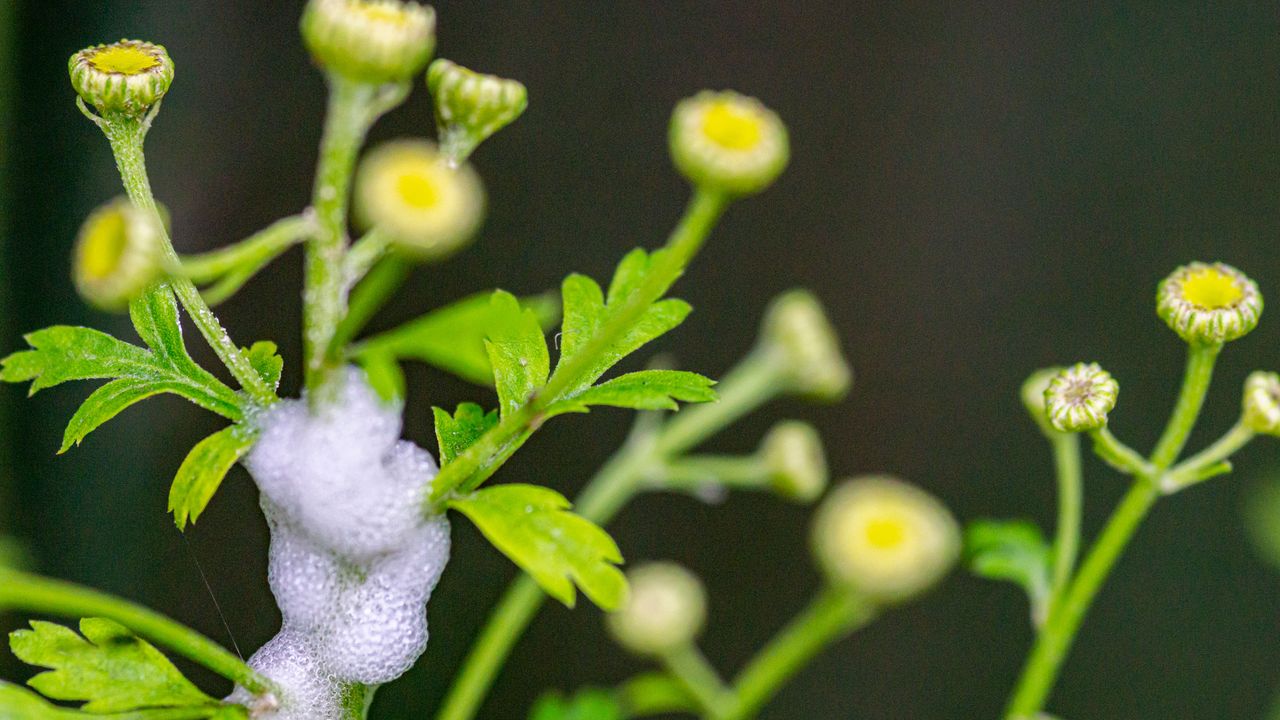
[[62, 353], [382, 372], [589, 704], [452, 337], [266, 361], [203, 470], [19, 703], [532, 526], [517, 351], [1014, 551], [456, 432], [109, 668], [583, 303], [645, 390], [655, 693], [108, 401], [630, 272]]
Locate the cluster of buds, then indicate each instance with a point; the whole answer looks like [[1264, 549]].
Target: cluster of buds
[[666, 610], [799, 336], [728, 143], [119, 253], [370, 41], [884, 539]]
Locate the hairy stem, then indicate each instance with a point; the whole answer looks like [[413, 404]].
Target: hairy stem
[[31, 593]]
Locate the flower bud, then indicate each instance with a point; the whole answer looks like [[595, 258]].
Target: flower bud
[[728, 142], [795, 460], [1079, 398], [1261, 411], [372, 41], [797, 332], [127, 77], [1033, 396], [666, 610], [470, 106], [1209, 303], [884, 538], [119, 253], [408, 189]]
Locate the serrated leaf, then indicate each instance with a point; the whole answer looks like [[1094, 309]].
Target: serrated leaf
[[455, 433], [532, 526], [517, 351], [63, 353], [203, 470], [452, 337], [109, 667], [588, 704], [155, 318], [108, 401], [266, 361], [583, 304], [630, 272], [644, 390], [1013, 551], [19, 703]]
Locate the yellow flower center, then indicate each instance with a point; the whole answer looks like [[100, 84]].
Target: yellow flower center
[[123, 60], [732, 126], [384, 13], [418, 190], [886, 533], [103, 245], [1211, 289]]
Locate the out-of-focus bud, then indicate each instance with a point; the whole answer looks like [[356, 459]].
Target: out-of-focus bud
[[884, 538], [1209, 303], [123, 78], [666, 610], [1261, 406], [1033, 394], [407, 189], [795, 460], [372, 41], [798, 334], [1079, 398], [470, 106], [729, 143], [119, 253]]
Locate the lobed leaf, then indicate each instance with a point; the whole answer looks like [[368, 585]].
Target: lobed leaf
[[646, 390], [265, 359], [455, 433], [1014, 551], [517, 351], [203, 470], [62, 353], [109, 668], [108, 401], [19, 703], [589, 704], [532, 526]]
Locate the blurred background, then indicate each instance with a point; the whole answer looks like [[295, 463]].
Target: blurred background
[[976, 192]]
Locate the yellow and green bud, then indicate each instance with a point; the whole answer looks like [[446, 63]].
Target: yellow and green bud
[[124, 78], [371, 41], [409, 190], [795, 461], [471, 106], [1261, 405], [799, 336], [1079, 398], [666, 610], [728, 143], [119, 253], [1209, 303]]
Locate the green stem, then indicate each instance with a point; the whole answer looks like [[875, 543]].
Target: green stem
[[364, 253], [1118, 455], [695, 674], [126, 136], [1041, 670], [30, 593], [1066, 545], [753, 382], [1192, 469], [266, 244], [654, 694], [482, 459], [383, 279], [696, 472], [346, 123], [833, 615]]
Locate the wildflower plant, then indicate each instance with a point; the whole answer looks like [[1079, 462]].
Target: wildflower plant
[[360, 518]]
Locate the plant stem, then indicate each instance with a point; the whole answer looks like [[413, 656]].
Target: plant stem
[[1118, 455], [695, 472], [831, 616], [31, 593], [1056, 637], [368, 296], [126, 136], [483, 457], [346, 123], [265, 244], [753, 382], [1066, 544], [1190, 470], [695, 674]]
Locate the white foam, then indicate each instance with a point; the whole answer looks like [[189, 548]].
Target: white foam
[[353, 559]]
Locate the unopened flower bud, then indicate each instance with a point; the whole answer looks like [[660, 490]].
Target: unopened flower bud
[[797, 332], [1033, 395], [1261, 411], [1079, 398], [666, 610], [1209, 303], [470, 106], [728, 142], [795, 460], [372, 41], [884, 538], [127, 77], [409, 190], [119, 253]]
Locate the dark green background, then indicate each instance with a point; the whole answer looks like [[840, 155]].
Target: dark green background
[[976, 192]]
